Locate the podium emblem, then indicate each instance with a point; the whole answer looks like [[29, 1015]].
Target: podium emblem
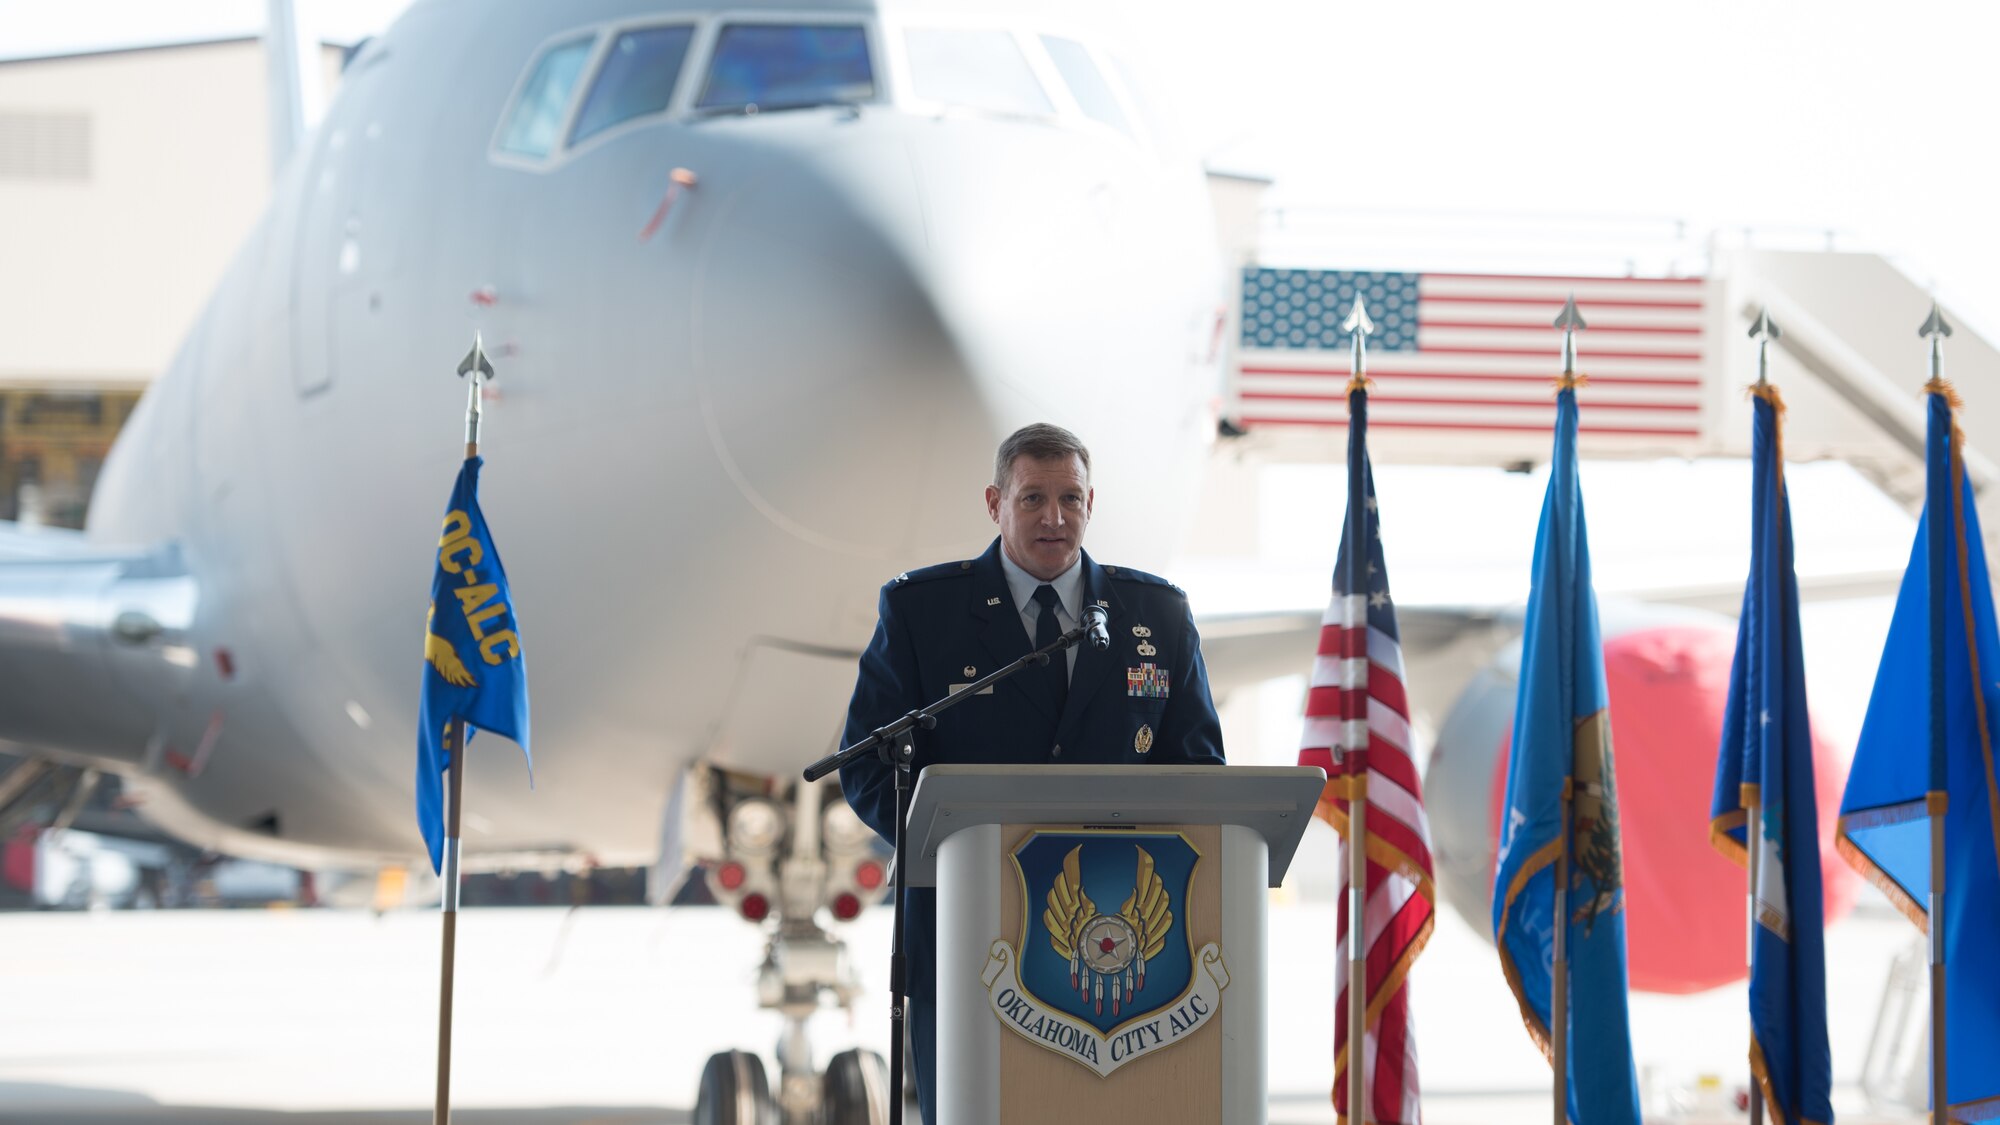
[[1101, 984]]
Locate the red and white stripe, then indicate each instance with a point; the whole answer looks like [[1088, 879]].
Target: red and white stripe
[[1357, 718], [1486, 354]]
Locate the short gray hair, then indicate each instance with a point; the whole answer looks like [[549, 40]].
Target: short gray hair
[[1040, 441]]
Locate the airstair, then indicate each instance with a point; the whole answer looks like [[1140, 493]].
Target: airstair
[[1463, 360]]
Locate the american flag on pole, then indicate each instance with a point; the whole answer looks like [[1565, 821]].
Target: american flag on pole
[[1358, 719], [1468, 353]]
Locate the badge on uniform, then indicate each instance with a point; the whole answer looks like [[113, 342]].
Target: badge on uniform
[[1143, 741], [971, 674], [1147, 681]]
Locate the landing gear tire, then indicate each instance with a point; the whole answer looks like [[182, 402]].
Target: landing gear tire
[[855, 1090], [734, 1091]]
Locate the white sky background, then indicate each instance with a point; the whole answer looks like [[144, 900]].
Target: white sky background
[[1784, 116]]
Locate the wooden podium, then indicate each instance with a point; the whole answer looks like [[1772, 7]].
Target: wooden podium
[[1101, 937]]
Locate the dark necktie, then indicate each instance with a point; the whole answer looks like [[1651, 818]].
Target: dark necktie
[[1047, 631]]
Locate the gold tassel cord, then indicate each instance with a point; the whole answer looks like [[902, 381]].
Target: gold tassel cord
[[1570, 381], [1939, 385], [1769, 393]]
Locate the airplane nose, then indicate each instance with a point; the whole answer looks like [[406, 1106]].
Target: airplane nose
[[821, 365]]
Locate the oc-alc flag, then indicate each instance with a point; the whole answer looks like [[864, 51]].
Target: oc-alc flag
[[1766, 762], [473, 666], [1357, 703], [1562, 742], [1927, 749]]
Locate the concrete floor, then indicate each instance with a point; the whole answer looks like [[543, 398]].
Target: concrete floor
[[608, 1014]]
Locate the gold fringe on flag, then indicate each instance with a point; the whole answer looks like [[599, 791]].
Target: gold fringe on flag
[[1769, 393], [1942, 386]]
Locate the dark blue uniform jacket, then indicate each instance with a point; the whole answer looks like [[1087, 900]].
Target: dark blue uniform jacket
[[953, 623]]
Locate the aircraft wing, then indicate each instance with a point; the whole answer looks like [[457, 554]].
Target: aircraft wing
[[90, 638], [1243, 649], [1445, 644]]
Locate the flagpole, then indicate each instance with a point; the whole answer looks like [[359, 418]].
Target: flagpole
[[1763, 331], [1357, 951], [1559, 974], [476, 366], [1569, 321], [454, 739], [1936, 329], [1358, 326], [1751, 793]]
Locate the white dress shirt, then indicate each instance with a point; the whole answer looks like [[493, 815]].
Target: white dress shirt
[[1069, 588]]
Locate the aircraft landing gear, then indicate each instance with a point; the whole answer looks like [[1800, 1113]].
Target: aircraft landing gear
[[779, 860], [734, 1091], [855, 1090]]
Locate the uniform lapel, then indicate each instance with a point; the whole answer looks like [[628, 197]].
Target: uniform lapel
[[1093, 666], [1001, 632]]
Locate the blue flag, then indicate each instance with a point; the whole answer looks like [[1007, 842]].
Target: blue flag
[[1928, 745], [473, 668], [1562, 741], [1766, 760]]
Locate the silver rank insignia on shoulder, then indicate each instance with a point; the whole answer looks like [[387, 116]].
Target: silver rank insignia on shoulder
[[992, 601], [1143, 741], [1147, 649], [1141, 631]]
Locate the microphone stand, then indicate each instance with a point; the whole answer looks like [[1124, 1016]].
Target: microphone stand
[[895, 744]]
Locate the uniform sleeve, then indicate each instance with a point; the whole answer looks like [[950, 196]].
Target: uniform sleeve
[[884, 690], [1194, 733]]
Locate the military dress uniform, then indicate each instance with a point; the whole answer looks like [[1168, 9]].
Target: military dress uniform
[[1142, 700]]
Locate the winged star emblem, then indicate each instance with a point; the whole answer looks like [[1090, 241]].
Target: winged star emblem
[[440, 655], [1107, 949]]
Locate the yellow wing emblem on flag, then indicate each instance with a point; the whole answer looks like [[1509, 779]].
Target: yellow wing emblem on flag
[[1146, 910], [439, 653], [1069, 908]]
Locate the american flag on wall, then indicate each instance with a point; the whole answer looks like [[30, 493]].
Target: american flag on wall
[[1358, 719], [1472, 352]]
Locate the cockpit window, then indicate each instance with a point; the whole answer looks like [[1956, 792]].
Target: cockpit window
[[637, 78], [788, 66], [977, 69], [1093, 94], [537, 117]]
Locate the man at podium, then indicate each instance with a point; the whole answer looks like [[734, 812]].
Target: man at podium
[[1144, 699]]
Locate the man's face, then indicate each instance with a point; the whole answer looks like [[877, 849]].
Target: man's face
[[1042, 513]]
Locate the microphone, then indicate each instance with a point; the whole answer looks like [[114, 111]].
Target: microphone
[[1093, 626]]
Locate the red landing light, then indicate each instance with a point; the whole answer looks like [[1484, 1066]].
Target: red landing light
[[868, 875], [755, 907], [730, 875], [846, 906]]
